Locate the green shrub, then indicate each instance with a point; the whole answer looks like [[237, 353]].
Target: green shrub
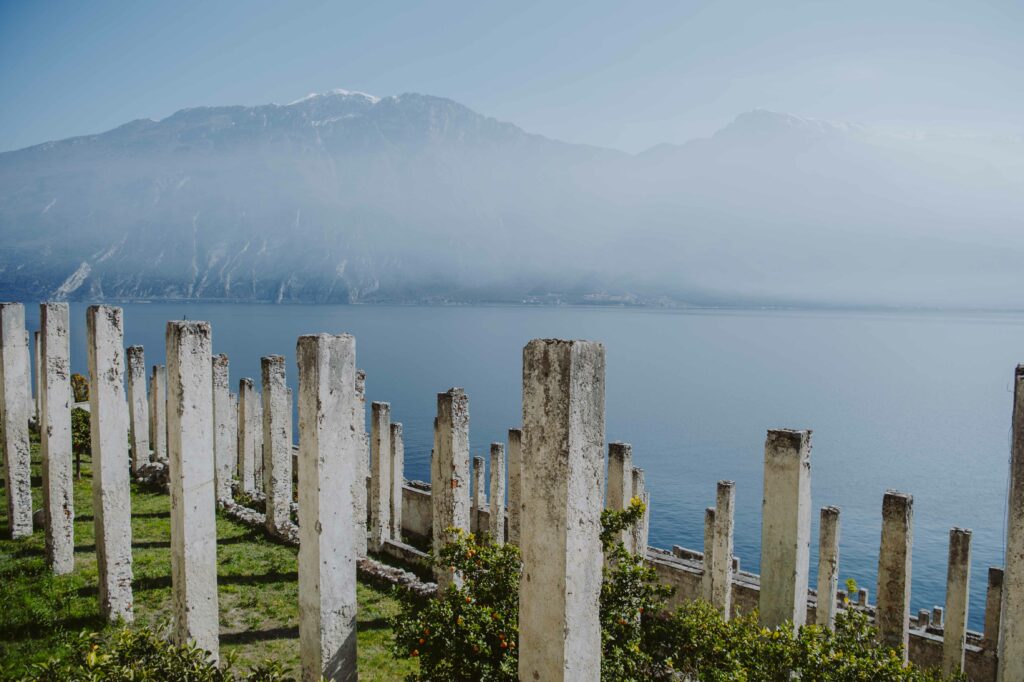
[[79, 388], [81, 443]]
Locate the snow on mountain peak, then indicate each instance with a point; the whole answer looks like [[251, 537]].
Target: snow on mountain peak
[[339, 92]]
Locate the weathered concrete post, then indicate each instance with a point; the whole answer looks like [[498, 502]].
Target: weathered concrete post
[[111, 488], [620, 482], [638, 534], [277, 443], [329, 451], [563, 471], [247, 452], [1011, 631], [37, 353], [193, 493], [397, 479], [785, 528], [30, 396], [828, 567], [360, 492], [498, 493], [158, 413], [479, 493], [892, 613], [993, 607], [721, 557], [257, 418], [450, 491], [958, 580], [14, 401], [138, 409], [706, 580], [55, 437], [515, 484], [225, 438], [380, 474]]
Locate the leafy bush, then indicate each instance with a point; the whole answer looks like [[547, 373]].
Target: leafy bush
[[79, 387], [81, 443]]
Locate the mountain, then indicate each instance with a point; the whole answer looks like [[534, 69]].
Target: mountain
[[346, 197]]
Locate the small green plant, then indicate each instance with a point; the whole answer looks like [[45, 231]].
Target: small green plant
[[79, 388], [81, 443]]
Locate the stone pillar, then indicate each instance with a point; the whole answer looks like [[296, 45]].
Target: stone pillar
[[111, 484], [380, 474], [892, 612], [329, 452], [498, 493], [958, 580], [138, 409], [193, 493], [225, 438], [277, 444], [721, 557], [14, 415], [1011, 632], [55, 397], [828, 567], [638, 534], [361, 480], [785, 528], [246, 446], [993, 605], [450, 491], [158, 413], [515, 484], [707, 592], [258, 469], [397, 479], [30, 402], [37, 352], [479, 493], [563, 471], [620, 482]]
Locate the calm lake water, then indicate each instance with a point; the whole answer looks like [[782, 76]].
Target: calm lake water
[[915, 402]]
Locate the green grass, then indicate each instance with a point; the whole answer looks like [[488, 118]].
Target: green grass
[[41, 614]]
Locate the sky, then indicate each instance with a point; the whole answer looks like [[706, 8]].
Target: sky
[[621, 75]]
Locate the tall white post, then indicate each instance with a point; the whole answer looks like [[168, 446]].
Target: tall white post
[[497, 510], [277, 443], [380, 474], [158, 413], [55, 436], [360, 482], [37, 351], [479, 493], [14, 400], [620, 482], [721, 557], [1011, 631], [638, 534], [828, 567], [958, 585], [515, 484], [993, 608], [247, 441], [397, 479], [707, 579], [225, 439], [892, 612], [450, 491], [138, 409]]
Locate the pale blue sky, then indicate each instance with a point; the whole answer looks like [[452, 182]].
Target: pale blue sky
[[624, 75]]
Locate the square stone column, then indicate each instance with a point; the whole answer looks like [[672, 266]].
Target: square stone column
[[620, 482], [479, 493], [55, 436], [1011, 631], [958, 585], [14, 416], [497, 509], [892, 612], [277, 444], [639, 532], [993, 606], [515, 484], [158, 413], [706, 580], [563, 481], [397, 479], [193, 494], [828, 567], [111, 483], [721, 557], [138, 407], [30, 400], [361, 481], [380, 474], [225, 437], [329, 452], [450, 491], [37, 351], [247, 441]]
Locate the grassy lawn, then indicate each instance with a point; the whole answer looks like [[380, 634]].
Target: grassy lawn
[[41, 615]]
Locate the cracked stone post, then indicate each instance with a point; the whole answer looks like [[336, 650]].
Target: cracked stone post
[[721, 557], [277, 444], [55, 436], [892, 608], [30, 398], [707, 592], [14, 401], [620, 481], [958, 580], [193, 495], [37, 353], [260, 455], [828, 567], [397, 473], [993, 606], [563, 481], [225, 439], [450, 492], [111, 484], [1011, 631], [360, 483], [138, 408], [638, 534], [380, 474], [515, 484], [158, 413], [498, 493], [246, 430], [479, 493], [329, 452], [785, 528]]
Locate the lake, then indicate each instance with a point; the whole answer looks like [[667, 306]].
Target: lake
[[918, 402]]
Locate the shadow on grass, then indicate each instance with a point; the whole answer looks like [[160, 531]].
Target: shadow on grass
[[259, 635], [161, 582], [377, 623], [37, 630]]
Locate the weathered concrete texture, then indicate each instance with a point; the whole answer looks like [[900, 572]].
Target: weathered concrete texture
[[620, 481], [563, 476], [37, 354], [785, 528], [892, 612], [993, 608], [958, 580], [397, 479], [225, 439], [138, 408], [246, 430], [450, 491], [158, 412], [380, 474], [111, 484], [497, 520], [329, 452], [479, 494], [828, 567], [277, 443], [14, 416], [360, 482], [515, 484], [258, 470], [638, 534], [707, 593], [30, 401], [55, 436], [721, 556], [1011, 632], [193, 494]]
